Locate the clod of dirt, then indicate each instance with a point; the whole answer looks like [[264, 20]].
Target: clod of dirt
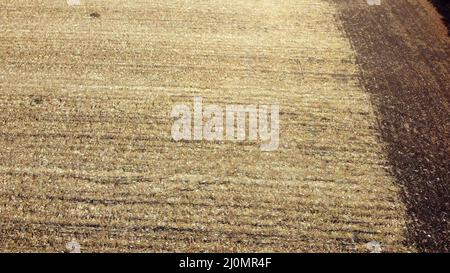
[[94, 15]]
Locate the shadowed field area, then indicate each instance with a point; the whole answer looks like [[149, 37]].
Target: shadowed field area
[[403, 52], [443, 7]]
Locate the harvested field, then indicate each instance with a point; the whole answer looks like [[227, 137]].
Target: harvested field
[[405, 63], [86, 151]]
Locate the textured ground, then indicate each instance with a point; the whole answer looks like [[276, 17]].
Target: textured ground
[[404, 55], [85, 146]]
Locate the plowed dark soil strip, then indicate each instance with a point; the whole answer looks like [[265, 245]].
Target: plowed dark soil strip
[[443, 6], [404, 57]]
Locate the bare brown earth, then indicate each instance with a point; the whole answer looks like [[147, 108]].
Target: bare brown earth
[[443, 7], [403, 51]]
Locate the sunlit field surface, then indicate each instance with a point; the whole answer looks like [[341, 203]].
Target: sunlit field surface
[[86, 151]]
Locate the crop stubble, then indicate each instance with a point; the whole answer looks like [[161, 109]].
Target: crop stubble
[[85, 146]]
